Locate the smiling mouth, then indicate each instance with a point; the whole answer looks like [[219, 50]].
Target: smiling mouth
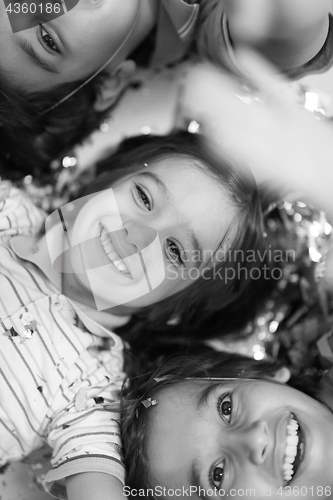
[[294, 452], [111, 252]]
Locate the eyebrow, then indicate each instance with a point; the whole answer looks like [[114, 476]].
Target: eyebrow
[[205, 394], [37, 59], [194, 240]]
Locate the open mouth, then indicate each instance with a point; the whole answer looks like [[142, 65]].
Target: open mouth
[[111, 252], [294, 452]]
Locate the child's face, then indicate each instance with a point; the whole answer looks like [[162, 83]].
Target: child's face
[[235, 438], [70, 47], [146, 234]]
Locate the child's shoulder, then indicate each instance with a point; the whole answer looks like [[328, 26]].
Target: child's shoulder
[[18, 213]]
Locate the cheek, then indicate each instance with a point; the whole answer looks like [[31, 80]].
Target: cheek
[[91, 210], [123, 197]]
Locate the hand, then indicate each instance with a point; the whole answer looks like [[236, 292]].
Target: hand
[[264, 128], [278, 139]]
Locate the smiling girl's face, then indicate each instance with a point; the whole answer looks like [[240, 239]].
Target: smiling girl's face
[[236, 436], [150, 235]]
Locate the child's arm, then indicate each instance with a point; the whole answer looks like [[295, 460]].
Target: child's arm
[[94, 486], [84, 428]]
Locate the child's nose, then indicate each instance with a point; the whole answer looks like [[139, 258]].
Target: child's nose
[[254, 441], [140, 236]]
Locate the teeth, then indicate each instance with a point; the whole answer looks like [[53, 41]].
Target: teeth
[[291, 449], [293, 424], [292, 440], [111, 252], [113, 256], [120, 266], [107, 247], [289, 459]]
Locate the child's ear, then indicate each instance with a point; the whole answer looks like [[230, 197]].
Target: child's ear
[[114, 85], [282, 375]]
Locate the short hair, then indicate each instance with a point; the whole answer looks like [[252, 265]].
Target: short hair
[[206, 307]]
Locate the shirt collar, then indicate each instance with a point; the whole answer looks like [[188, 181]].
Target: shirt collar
[[34, 249]]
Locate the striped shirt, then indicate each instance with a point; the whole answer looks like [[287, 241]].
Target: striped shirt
[[59, 381]]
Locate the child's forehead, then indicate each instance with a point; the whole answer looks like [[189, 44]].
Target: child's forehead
[[178, 168], [185, 397], [203, 387], [197, 395], [177, 160], [194, 385]]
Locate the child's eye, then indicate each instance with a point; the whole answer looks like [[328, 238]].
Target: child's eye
[[224, 406], [173, 252], [216, 475], [143, 198], [48, 40]]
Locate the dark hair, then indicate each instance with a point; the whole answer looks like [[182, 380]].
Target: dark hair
[[207, 306], [135, 420], [30, 138]]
